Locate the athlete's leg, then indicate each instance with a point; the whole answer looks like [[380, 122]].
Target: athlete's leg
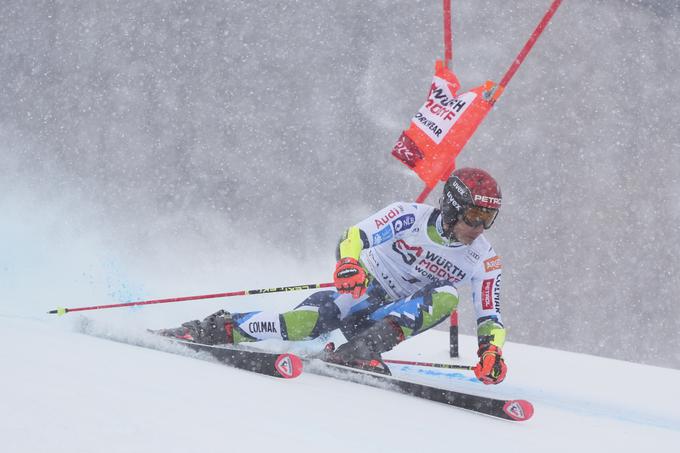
[[398, 320], [315, 315], [423, 310], [321, 312]]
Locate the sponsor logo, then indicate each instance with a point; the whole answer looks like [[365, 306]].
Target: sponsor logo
[[407, 151], [408, 253], [346, 273], [497, 294], [487, 294], [473, 254], [461, 189], [447, 104], [452, 201], [441, 110], [514, 410], [492, 264], [490, 200], [429, 124], [262, 326], [384, 220], [285, 366], [403, 223], [383, 235], [435, 267], [281, 288]]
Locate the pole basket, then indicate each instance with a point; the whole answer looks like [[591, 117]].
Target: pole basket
[[453, 334]]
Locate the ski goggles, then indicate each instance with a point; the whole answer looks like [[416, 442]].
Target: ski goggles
[[476, 215]]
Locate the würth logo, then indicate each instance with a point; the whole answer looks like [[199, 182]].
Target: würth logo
[[408, 253]]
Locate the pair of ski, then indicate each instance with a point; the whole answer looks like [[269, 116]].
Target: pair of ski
[[288, 366]]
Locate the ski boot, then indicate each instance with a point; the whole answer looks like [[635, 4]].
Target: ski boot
[[215, 329], [364, 350]]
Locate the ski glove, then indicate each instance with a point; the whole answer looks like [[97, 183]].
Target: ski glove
[[350, 277], [491, 368]]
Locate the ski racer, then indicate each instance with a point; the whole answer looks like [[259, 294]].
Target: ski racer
[[396, 276]]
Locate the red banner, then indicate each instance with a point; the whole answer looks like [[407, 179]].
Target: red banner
[[443, 125]]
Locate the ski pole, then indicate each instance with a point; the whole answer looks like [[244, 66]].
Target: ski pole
[[430, 364], [248, 292]]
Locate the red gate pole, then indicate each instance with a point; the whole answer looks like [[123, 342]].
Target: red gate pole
[[530, 43], [448, 37]]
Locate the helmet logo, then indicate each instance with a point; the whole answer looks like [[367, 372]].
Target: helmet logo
[[460, 189], [486, 199], [452, 200]]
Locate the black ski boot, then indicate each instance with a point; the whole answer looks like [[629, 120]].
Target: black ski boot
[[215, 329], [364, 350]]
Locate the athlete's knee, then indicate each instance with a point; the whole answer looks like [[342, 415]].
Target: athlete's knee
[[299, 324], [445, 298], [315, 315], [442, 293], [442, 298], [440, 286], [323, 303], [329, 317]]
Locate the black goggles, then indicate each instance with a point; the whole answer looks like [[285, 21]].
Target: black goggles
[[476, 215], [472, 216]]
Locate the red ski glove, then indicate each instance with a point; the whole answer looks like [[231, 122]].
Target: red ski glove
[[491, 368], [350, 277]]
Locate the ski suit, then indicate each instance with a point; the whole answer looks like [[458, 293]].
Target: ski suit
[[413, 274]]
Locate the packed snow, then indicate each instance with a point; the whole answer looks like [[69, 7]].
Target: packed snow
[[68, 388]]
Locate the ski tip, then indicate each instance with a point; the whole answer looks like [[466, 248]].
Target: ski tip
[[519, 410], [289, 366]]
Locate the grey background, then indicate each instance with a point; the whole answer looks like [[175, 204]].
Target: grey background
[[272, 122]]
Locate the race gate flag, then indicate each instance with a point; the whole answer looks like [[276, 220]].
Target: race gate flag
[[443, 125]]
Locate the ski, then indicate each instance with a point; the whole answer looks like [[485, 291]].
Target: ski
[[286, 365], [278, 365], [513, 410]]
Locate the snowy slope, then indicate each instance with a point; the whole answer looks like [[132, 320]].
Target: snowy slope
[[65, 391]]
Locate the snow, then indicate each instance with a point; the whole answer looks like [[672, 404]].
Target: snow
[[66, 391], [160, 149]]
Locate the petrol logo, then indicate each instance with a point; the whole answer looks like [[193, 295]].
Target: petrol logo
[[487, 294]]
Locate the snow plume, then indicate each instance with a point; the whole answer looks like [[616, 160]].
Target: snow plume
[[60, 249]]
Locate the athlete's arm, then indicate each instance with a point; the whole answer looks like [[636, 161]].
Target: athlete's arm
[[486, 297], [376, 229]]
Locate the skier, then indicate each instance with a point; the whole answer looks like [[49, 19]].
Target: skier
[[397, 275]]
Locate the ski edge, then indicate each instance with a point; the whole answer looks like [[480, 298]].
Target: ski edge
[[510, 410], [279, 365]]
